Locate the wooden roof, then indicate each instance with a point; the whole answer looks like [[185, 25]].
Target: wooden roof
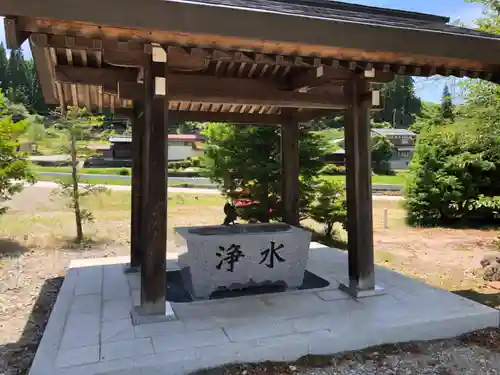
[[236, 56]]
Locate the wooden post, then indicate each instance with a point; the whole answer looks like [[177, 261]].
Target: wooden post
[[359, 190], [138, 185], [153, 270], [290, 170]]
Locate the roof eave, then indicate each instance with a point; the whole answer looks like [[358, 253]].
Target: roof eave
[[199, 21]]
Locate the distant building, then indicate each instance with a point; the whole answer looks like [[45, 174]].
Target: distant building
[[402, 139], [404, 143], [180, 147]]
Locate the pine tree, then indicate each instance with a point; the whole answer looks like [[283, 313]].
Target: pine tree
[[247, 158], [400, 104], [3, 68], [36, 102], [447, 105], [17, 76], [76, 123]]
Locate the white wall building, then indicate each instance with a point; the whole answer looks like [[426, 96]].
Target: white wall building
[[180, 147]]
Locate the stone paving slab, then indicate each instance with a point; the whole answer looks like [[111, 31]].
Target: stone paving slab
[[90, 330]]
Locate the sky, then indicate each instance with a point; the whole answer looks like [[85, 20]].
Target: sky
[[429, 89]]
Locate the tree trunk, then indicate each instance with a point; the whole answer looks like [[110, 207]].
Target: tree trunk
[[76, 195], [329, 229]]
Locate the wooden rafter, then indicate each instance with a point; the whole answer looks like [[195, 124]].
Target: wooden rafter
[[131, 53]]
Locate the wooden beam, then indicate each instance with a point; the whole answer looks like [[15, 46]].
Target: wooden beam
[[137, 235], [14, 36], [230, 117], [267, 98], [235, 117], [203, 89], [290, 170], [124, 58], [241, 94], [94, 76], [153, 268], [322, 75], [88, 43], [305, 81], [359, 190]]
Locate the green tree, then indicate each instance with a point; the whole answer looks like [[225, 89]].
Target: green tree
[[429, 116], [400, 104], [328, 122], [188, 127], [36, 132], [382, 150], [246, 158], [76, 124], [329, 205], [4, 81], [490, 22], [34, 96], [380, 125], [17, 76], [447, 112], [455, 170], [14, 166], [453, 176]]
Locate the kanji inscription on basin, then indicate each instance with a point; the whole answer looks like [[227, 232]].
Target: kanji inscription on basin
[[235, 257]]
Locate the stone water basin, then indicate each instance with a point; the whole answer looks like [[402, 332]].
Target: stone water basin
[[240, 256], [240, 229]]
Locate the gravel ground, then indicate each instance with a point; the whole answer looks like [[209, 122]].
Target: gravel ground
[[473, 354]]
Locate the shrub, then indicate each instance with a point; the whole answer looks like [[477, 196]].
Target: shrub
[[453, 178], [329, 205], [196, 162], [333, 170], [14, 166], [175, 165], [382, 150], [124, 172]]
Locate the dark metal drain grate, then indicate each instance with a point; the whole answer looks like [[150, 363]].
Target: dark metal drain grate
[[177, 293]]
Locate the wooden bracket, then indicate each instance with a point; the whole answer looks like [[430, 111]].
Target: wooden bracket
[[14, 37]]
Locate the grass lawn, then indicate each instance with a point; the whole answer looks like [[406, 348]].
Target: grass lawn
[[112, 171], [104, 181], [331, 134], [94, 181], [398, 179]]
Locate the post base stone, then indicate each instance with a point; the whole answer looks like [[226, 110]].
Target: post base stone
[[139, 317], [359, 293], [127, 268]]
